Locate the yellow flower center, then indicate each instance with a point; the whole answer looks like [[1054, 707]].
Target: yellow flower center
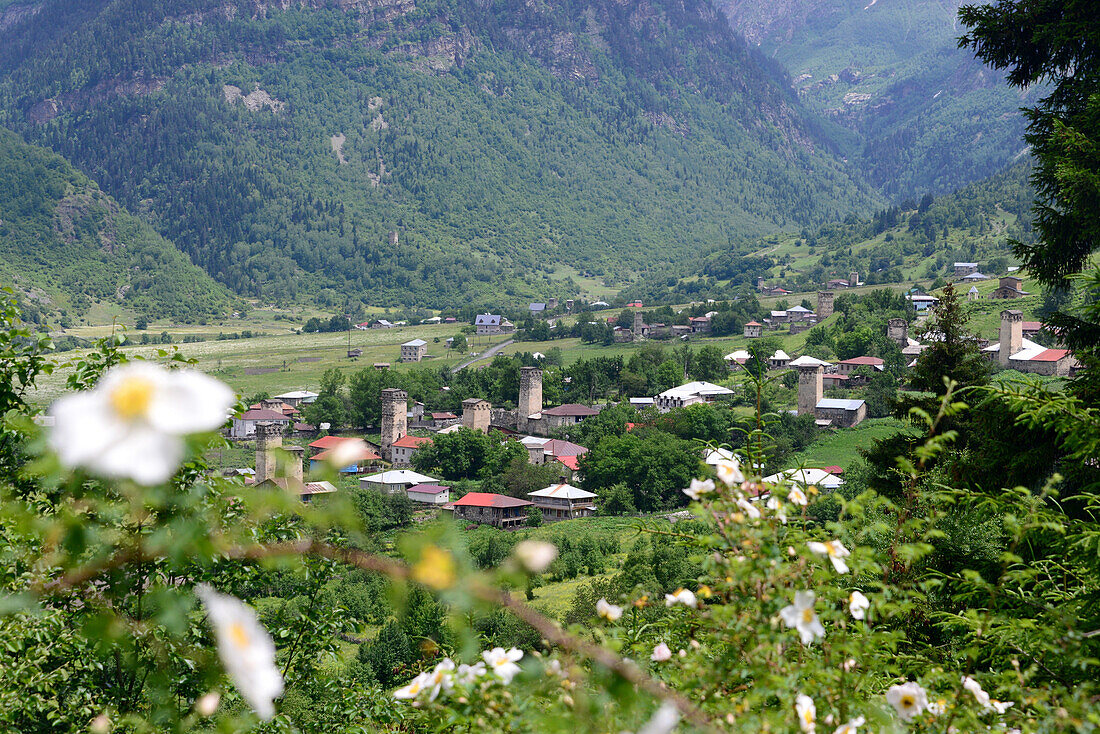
[[808, 716], [807, 615], [239, 635], [908, 702], [414, 688], [132, 398]]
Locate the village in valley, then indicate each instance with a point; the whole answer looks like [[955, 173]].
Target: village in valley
[[513, 423]]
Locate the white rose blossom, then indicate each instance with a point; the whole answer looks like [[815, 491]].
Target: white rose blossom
[[245, 648], [681, 596], [749, 508], [797, 497], [608, 611], [835, 551], [983, 698], [661, 653], [132, 424], [776, 506], [699, 487], [347, 453], [663, 721], [858, 604], [414, 688], [729, 471], [441, 680], [208, 704], [852, 727], [535, 555], [908, 699], [802, 617], [468, 674], [502, 663], [807, 713]]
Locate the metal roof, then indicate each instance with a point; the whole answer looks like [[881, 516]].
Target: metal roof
[[838, 404]]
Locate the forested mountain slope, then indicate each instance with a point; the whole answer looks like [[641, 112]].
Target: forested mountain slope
[[280, 143], [925, 115], [918, 239], [63, 243]]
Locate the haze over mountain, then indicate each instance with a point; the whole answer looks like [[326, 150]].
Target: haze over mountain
[[926, 116]]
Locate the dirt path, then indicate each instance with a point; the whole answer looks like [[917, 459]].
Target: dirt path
[[487, 354]]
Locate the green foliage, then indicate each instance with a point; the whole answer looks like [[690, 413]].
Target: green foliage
[[1060, 48], [655, 465]]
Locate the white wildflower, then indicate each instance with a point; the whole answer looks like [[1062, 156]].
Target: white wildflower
[[346, 453], [835, 551], [937, 707], [245, 648], [208, 704], [663, 721], [608, 611], [908, 699], [749, 508], [441, 679], [100, 725], [852, 727], [468, 674], [858, 604], [807, 713], [132, 424], [797, 497], [699, 487], [502, 663], [415, 687], [535, 555], [776, 506], [661, 653], [983, 698], [729, 471], [801, 616], [681, 596]]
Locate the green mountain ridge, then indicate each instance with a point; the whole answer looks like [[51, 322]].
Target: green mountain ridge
[[63, 243], [508, 145]]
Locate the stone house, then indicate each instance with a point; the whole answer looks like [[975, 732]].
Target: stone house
[[1009, 287], [244, 425], [487, 508], [414, 351], [754, 330], [840, 413]]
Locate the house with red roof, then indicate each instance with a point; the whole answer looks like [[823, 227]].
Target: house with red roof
[[361, 457], [487, 508], [848, 366], [754, 330], [405, 448]]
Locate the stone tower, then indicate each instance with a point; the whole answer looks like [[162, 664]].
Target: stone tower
[[637, 326], [824, 305], [395, 409], [1012, 335], [530, 396], [269, 438], [394, 238], [810, 390], [477, 414], [897, 331], [853, 279]]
